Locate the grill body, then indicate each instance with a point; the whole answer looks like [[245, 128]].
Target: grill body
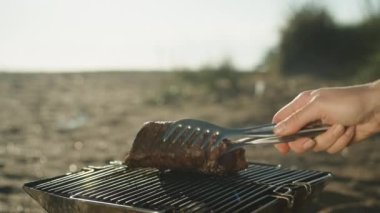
[[117, 188]]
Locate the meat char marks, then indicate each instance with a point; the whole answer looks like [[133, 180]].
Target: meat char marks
[[148, 150]]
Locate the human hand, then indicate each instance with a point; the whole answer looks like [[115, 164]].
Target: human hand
[[352, 112]]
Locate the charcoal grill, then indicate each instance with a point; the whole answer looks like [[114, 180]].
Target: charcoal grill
[[117, 188]]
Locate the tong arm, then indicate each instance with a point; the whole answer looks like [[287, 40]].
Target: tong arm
[[255, 140]]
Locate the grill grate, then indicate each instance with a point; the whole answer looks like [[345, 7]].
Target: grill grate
[[149, 190]]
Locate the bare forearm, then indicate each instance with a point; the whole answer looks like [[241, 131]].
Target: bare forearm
[[374, 101]]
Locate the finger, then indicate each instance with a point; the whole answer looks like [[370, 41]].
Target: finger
[[297, 120], [343, 141], [327, 139], [292, 107], [301, 145], [283, 148], [362, 132]]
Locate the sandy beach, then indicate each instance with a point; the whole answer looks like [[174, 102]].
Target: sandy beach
[[54, 123]]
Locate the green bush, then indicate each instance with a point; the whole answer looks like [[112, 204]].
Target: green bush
[[370, 71], [313, 43]]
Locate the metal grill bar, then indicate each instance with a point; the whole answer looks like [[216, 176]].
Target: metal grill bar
[[73, 177], [77, 181], [87, 190], [152, 190], [186, 186], [189, 185], [213, 190], [125, 180]]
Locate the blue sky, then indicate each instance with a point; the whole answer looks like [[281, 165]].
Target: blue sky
[[70, 35]]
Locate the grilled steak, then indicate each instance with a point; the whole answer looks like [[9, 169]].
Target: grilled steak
[[148, 150]]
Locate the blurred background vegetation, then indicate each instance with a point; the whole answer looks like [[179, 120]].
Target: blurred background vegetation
[[312, 45], [314, 51]]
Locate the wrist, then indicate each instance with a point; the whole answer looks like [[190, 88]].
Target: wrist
[[374, 101]]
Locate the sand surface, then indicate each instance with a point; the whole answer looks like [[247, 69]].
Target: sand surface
[[52, 124]]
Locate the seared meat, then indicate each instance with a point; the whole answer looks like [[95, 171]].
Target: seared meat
[[148, 150]]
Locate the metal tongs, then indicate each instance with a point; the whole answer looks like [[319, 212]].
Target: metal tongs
[[192, 131]]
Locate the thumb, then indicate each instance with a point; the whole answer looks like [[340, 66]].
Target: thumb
[[297, 120]]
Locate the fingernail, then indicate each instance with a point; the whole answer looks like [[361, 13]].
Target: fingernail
[[308, 144]]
